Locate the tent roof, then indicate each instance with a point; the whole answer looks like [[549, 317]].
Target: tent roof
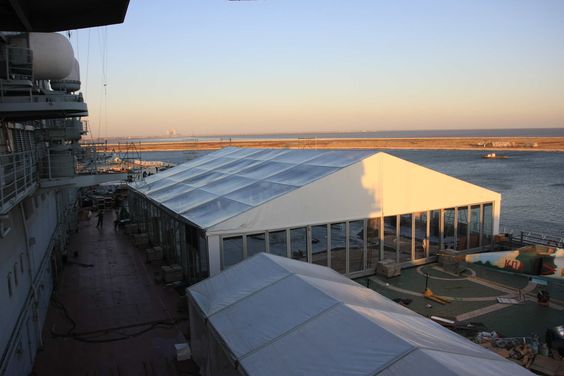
[[228, 182], [278, 316], [234, 189], [379, 185]]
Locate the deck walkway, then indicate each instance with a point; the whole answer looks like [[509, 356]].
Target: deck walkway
[[108, 291]]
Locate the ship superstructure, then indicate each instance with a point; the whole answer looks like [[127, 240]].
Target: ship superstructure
[[41, 108]]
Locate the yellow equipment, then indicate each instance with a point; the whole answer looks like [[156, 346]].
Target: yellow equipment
[[428, 293]]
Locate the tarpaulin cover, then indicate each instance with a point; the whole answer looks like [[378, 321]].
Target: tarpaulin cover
[[270, 315]]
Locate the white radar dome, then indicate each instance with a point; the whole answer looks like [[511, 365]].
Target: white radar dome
[[70, 83], [53, 58]]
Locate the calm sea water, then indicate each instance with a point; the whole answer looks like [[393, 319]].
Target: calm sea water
[[525, 132], [531, 183]]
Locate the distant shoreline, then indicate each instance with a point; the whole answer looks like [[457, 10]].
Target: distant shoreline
[[554, 144]]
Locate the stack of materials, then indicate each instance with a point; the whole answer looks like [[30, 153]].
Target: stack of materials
[[452, 261], [525, 351], [388, 268], [171, 273]]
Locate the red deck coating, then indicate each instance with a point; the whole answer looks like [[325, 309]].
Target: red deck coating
[[118, 290]]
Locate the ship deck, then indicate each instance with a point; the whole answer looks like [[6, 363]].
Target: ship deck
[[473, 298], [109, 315]]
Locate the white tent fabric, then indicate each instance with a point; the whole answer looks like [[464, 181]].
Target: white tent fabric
[[270, 315]]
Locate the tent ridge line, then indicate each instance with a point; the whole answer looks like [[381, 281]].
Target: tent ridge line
[[249, 295], [494, 356], [276, 339], [415, 348], [393, 361]]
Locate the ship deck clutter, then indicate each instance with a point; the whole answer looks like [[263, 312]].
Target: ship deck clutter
[[473, 297], [499, 310], [106, 293]]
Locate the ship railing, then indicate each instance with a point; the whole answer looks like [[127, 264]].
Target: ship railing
[[67, 129], [17, 80], [17, 75], [61, 163], [18, 177], [18, 63], [27, 95], [57, 164], [524, 238]]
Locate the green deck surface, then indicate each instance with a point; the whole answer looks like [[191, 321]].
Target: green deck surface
[[523, 320], [511, 321], [449, 310], [412, 280], [433, 272]]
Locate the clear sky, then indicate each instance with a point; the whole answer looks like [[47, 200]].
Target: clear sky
[[266, 66]]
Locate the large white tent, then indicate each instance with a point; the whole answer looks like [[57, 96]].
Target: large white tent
[[345, 209], [271, 316]]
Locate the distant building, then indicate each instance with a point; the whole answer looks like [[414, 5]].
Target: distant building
[[345, 209]]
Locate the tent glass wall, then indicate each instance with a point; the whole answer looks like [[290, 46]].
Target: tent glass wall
[[405, 240], [232, 250], [421, 242], [390, 237], [298, 243], [255, 244], [487, 226], [349, 247], [339, 247], [196, 265], [448, 231], [356, 246], [319, 245], [474, 230], [373, 242], [434, 232], [277, 243], [462, 229]]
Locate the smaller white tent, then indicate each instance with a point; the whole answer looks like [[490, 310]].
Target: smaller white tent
[[270, 315]]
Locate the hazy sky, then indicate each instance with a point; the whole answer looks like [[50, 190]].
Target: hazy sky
[[222, 67]]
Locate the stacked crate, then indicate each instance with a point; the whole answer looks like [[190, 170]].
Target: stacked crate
[[388, 268], [452, 261]]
